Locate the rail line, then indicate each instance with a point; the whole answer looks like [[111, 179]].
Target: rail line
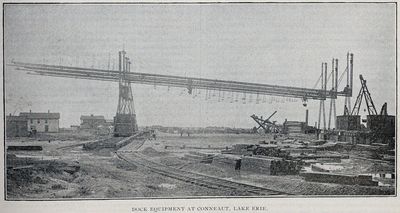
[[211, 182], [234, 188]]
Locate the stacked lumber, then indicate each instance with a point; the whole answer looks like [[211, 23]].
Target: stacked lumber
[[364, 180], [24, 148], [226, 161], [258, 164]]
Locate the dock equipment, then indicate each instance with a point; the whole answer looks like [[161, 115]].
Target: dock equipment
[[266, 124], [127, 119], [364, 92]]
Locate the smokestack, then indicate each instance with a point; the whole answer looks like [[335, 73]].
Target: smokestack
[[48, 111], [30, 111], [306, 117]]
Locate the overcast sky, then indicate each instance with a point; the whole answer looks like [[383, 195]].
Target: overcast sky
[[282, 44]]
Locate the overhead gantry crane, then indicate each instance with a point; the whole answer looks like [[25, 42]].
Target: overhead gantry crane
[[125, 77], [184, 82]]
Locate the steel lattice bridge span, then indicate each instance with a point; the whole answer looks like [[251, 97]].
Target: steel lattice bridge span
[[178, 81], [125, 77]]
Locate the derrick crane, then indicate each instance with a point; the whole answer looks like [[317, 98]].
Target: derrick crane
[[364, 92], [265, 124]]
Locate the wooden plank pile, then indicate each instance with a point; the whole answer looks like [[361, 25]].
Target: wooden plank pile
[[324, 177], [199, 157], [258, 164], [227, 161], [24, 148]]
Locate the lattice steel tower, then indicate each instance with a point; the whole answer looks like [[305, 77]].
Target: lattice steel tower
[[125, 120]]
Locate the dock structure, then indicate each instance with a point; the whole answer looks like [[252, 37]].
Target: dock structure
[[125, 119]]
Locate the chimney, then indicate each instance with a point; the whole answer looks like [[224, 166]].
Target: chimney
[[48, 111], [30, 111], [306, 117]]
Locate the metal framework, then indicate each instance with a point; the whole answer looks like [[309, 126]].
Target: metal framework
[[349, 86], [265, 124], [177, 81], [126, 114], [364, 92], [125, 123]]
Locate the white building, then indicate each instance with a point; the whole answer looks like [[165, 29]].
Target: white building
[[42, 122]]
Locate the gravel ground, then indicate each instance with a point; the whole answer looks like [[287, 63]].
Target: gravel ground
[[102, 175]]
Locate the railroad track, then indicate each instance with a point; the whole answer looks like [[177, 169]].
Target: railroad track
[[232, 187], [103, 140], [109, 142]]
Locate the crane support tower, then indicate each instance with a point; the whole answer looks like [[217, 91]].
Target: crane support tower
[[125, 120]]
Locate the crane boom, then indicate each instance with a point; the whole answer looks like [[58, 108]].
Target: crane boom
[[178, 81]]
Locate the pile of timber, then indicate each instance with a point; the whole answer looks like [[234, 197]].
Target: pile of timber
[[199, 157], [24, 148], [258, 164], [256, 149], [364, 180], [240, 149], [326, 156], [286, 167], [110, 143], [271, 152], [294, 151]]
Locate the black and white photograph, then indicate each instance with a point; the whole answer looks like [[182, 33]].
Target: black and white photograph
[[128, 101]]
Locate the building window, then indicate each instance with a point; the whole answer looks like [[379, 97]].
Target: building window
[[45, 121], [38, 121], [31, 121]]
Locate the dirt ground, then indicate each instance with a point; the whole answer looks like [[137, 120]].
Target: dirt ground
[[102, 175]]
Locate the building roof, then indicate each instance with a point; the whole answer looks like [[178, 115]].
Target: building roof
[[40, 115], [92, 117], [16, 118]]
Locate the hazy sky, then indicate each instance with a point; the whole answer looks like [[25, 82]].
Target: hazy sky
[[282, 44]]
